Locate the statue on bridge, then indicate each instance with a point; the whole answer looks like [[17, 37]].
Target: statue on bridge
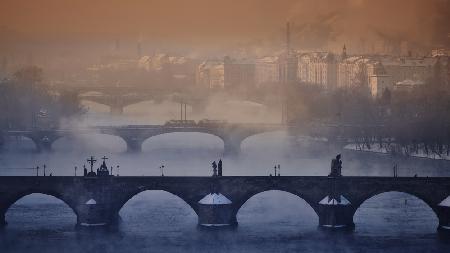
[[219, 168], [103, 170], [214, 165], [336, 167], [91, 162]]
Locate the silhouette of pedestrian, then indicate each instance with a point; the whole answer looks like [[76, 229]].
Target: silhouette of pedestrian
[[219, 167], [85, 170]]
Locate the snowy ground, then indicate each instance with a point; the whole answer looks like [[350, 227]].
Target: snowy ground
[[376, 149]]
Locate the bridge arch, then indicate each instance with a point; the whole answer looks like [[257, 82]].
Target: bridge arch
[[91, 142], [17, 197], [163, 195], [290, 199], [256, 137], [95, 106], [141, 107], [190, 136], [24, 143], [375, 193], [377, 205]]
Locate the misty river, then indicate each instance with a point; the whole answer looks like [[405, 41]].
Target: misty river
[[157, 221]]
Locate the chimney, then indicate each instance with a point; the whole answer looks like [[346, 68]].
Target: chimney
[[288, 38]]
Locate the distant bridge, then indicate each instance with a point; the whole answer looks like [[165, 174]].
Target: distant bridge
[[118, 97], [118, 102], [231, 134], [98, 200]]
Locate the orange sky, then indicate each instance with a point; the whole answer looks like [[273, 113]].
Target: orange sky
[[164, 18], [210, 21]]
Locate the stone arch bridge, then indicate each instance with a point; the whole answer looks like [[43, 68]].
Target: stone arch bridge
[[98, 200], [117, 102], [121, 96], [232, 135]]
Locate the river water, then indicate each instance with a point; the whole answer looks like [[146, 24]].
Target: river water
[[274, 221]]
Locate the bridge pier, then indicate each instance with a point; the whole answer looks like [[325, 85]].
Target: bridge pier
[[335, 215], [2, 219], [43, 143], [2, 140], [443, 213], [43, 146], [232, 147], [335, 211], [134, 144], [116, 109], [93, 214], [216, 210]]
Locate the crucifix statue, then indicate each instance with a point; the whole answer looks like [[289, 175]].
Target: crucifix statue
[[92, 161]]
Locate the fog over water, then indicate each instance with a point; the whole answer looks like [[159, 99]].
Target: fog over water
[[157, 221]]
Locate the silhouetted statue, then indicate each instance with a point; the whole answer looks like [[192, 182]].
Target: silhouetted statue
[[336, 167], [219, 167], [91, 162], [214, 165], [85, 170], [103, 170]]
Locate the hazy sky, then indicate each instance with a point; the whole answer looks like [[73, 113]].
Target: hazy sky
[[198, 22]]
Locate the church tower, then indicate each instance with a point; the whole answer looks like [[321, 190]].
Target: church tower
[[344, 53]]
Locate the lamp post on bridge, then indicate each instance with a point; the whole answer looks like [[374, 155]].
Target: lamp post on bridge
[[162, 170], [183, 104]]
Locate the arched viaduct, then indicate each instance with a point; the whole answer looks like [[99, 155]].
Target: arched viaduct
[[232, 135], [98, 200]]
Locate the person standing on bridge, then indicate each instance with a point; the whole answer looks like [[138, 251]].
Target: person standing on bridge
[[219, 167]]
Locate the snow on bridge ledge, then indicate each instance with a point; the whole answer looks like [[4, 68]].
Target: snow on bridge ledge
[[215, 199], [331, 201], [91, 202], [445, 202]]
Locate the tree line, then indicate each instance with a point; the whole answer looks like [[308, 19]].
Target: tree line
[[399, 121], [26, 101]]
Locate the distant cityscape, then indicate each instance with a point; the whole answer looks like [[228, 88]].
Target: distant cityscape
[[393, 66]]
